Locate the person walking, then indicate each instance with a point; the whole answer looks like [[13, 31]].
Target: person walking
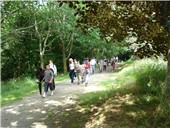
[[75, 63], [104, 64], [87, 71], [54, 70], [113, 64], [48, 77], [40, 76], [92, 64], [71, 70], [100, 65]]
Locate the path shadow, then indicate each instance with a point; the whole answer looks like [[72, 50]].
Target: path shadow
[[121, 111]]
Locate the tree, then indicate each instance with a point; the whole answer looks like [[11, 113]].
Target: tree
[[43, 30], [65, 23], [163, 18], [15, 54]]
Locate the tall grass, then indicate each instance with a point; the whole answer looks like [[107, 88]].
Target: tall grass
[[150, 75]]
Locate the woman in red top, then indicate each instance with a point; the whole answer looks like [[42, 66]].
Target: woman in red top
[[87, 71]]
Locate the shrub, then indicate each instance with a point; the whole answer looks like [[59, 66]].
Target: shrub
[[150, 75]]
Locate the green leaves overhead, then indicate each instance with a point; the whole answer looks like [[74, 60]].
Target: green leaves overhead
[[78, 29], [119, 20]]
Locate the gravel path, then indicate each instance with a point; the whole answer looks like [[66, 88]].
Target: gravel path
[[33, 110]]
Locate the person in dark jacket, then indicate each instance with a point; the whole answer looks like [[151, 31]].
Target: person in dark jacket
[[40, 76]]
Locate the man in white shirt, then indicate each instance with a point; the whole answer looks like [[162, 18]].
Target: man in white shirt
[[54, 70], [93, 63]]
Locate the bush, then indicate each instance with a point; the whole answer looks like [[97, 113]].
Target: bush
[[150, 75]]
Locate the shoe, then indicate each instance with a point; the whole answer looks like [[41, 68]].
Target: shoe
[[52, 93], [86, 84], [43, 95]]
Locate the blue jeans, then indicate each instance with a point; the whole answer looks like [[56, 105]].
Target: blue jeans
[[46, 85], [72, 74], [86, 75], [93, 68]]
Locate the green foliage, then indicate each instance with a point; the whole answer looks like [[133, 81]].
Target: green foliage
[[150, 76], [33, 33], [17, 44], [120, 20]]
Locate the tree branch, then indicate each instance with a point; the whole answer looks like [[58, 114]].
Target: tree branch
[[45, 41], [8, 14], [19, 29], [70, 51], [71, 40]]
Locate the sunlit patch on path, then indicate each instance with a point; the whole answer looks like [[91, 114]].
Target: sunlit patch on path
[[93, 88]]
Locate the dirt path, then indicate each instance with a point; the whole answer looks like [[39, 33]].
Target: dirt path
[[33, 110]]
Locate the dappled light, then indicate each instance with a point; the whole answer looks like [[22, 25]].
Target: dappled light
[[52, 102], [85, 64], [14, 124], [9, 98], [12, 111], [35, 110], [93, 88], [132, 114], [30, 118], [39, 125]]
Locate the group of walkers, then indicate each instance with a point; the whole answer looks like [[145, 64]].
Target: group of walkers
[[103, 63], [47, 76], [82, 72], [76, 70]]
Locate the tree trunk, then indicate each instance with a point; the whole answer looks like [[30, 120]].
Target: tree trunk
[[64, 63], [63, 47], [164, 7], [41, 60], [168, 68], [64, 57]]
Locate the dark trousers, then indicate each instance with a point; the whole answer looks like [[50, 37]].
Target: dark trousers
[[104, 67], [47, 85], [40, 85], [72, 74], [40, 88], [54, 82]]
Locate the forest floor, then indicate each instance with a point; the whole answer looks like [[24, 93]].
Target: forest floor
[[36, 112]]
